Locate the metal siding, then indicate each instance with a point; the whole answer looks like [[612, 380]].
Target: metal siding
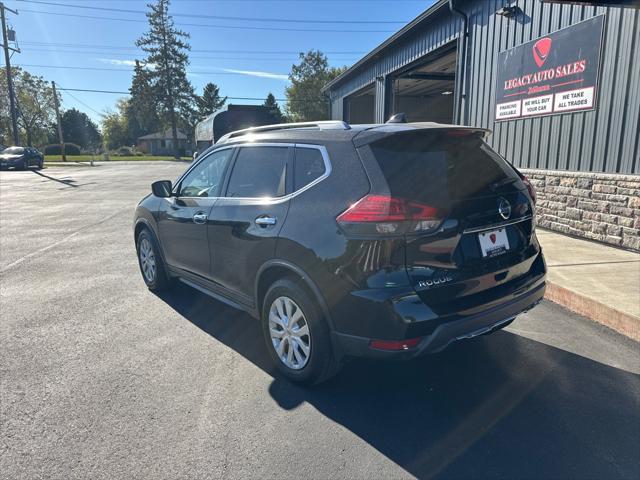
[[575, 152], [629, 154], [379, 101], [530, 31], [620, 90], [336, 109], [603, 140], [442, 30]]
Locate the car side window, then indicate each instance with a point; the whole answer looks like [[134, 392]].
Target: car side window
[[259, 172], [309, 165], [205, 180]]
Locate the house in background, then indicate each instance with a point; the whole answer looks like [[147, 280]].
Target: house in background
[[161, 143]]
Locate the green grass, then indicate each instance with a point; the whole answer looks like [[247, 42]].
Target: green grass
[[112, 158]]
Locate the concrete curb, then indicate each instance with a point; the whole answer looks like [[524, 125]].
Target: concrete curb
[[624, 323]]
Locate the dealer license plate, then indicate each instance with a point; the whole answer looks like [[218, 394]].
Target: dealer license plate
[[493, 242]]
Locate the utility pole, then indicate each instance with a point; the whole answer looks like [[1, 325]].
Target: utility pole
[[60, 137], [7, 60]]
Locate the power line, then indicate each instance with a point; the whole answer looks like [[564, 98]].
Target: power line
[[206, 25], [127, 93], [275, 1], [198, 57], [103, 46], [223, 17], [92, 91], [283, 1], [83, 103], [106, 69]]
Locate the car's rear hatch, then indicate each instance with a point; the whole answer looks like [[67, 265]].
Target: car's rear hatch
[[478, 229]]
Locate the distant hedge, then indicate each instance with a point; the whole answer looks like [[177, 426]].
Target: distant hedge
[[69, 149]]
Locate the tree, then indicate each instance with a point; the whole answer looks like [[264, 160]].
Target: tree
[[141, 112], [36, 112], [78, 128], [305, 101], [274, 108], [115, 128], [166, 49], [210, 101]]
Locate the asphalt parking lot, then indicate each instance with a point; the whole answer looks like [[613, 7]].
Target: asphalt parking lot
[[103, 379]]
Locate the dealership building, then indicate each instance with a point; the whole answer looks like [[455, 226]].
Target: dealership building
[[556, 81]]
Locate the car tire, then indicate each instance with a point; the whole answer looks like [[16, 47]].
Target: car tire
[[152, 268], [285, 343], [40, 165]]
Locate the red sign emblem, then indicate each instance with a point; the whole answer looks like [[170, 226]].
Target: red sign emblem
[[492, 237], [541, 50]]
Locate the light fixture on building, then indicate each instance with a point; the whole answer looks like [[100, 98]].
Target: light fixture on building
[[447, 92], [509, 11]]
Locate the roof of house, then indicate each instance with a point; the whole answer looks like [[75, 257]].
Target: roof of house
[[437, 5], [166, 135]]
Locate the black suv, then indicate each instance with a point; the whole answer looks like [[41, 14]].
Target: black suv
[[384, 241]]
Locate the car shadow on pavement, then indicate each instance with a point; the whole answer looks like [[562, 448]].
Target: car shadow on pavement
[[501, 406]]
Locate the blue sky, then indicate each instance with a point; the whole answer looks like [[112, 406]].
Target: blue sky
[[243, 62]]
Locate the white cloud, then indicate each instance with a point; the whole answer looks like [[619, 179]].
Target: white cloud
[[123, 63], [115, 61], [253, 73]]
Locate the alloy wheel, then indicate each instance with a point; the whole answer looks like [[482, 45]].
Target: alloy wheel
[[147, 260], [289, 331]]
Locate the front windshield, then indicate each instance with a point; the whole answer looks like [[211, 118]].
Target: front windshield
[[14, 150]]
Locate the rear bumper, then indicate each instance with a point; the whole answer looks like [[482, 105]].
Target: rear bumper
[[486, 321]]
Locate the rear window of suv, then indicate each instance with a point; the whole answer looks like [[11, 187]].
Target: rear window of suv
[[437, 167], [309, 165], [259, 172]]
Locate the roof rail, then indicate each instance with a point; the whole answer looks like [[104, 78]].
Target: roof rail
[[322, 125]]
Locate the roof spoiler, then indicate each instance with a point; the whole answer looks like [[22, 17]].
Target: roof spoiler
[[371, 135]]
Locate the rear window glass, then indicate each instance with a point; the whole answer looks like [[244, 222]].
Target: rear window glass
[[14, 150], [435, 168], [309, 165], [259, 172]]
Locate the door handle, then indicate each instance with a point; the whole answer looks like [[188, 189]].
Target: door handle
[[265, 221], [200, 218]]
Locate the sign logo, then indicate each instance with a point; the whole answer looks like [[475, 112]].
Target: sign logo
[[541, 50], [492, 237], [504, 208]]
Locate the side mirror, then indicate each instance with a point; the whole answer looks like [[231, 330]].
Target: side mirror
[[161, 188]]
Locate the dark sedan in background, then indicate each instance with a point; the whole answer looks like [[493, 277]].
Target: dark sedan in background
[[20, 158]]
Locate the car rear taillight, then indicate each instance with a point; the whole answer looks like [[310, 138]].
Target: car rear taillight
[[532, 191], [394, 345], [387, 215]]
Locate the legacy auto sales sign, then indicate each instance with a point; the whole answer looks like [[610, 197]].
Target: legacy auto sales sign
[[554, 74]]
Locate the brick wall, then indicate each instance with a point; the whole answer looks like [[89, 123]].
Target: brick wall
[[598, 206]]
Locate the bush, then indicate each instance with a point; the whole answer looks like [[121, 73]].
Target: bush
[[139, 153], [54, 149], [124, 152]]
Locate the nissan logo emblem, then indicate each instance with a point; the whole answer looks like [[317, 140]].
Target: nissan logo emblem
[[504, 209]]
